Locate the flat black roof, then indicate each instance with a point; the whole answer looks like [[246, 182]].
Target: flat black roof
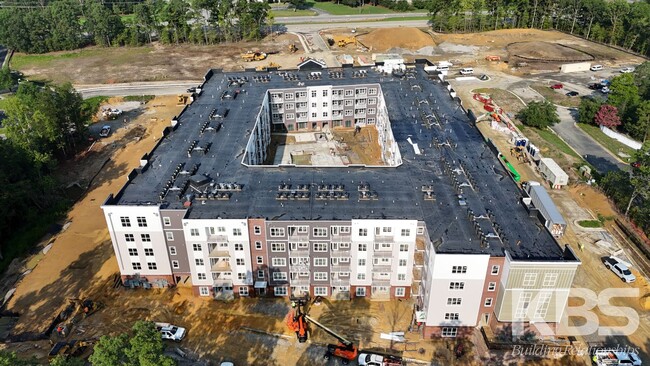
[[448, 145]]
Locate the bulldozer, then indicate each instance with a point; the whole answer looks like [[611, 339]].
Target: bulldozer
[[342, 42], [253, 56], [293, 48]]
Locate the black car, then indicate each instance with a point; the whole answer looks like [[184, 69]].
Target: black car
[[572, 94], [595, 86], [191, 90]]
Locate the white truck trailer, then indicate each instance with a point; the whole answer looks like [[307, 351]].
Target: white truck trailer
[[540, 199], [553, 173]]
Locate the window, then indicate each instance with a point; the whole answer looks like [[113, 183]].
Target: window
[[349, 93], [495, 270], [402, 263], [201, 276], [488, 302], [152, 266], [401, 276], [129, 237], [313, 105], [258, 245], [543, 301], [288, 96], [387, 229], [363, 232], [136, 266], [344, 246], [199, 261], [372, 111], [344, 274], [400, 291], [522, 305], [335, 246], [279, 276], [321, 262], [257, 230], [169, 235], [167, 221], [451, 316], [420, 231], [324, 93], [277, 231], [459, 269], [204, 291], [372, 91], [320, 247], [290, 116], [260, 260], [403, 247], [239, 261], [492, 286], [194, 232], [243, 291], [345, 229], [456, 285], [449, 332], [280, 291], [133, 252], [406, 232], [320, 291], [221, 229], [260, 275], [196, 247], [142, 221], [313, 93], [236, 232], [372, 101], [361, 276], [279, 262], [529, 279], [172, 250], [126, 222], [363, 247], [344, 260], [241, 276], [362, 262], [320, 276], [361, 292], [325, 104], [454, 300], [239, 247], [550, 279], [176, 265], [148, 252], [348, 113], [314, 114]]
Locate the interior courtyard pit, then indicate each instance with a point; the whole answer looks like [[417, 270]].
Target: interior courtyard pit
[[346, 125]]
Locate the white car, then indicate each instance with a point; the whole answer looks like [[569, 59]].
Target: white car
[[171, 332], [596, 68], [627, 70], [619, 269], [370, 359], [605, 90]]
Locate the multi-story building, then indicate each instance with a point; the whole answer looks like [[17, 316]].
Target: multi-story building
[[439, 221]]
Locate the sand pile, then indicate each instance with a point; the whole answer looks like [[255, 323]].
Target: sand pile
[[381, 40]]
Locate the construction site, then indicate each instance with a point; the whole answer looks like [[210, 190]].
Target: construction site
[[52, 319]]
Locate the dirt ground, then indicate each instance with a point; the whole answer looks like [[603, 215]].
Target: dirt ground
[[385, 39], [364, 146]]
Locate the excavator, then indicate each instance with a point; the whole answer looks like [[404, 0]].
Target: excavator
[[253, 56], [298, 321]]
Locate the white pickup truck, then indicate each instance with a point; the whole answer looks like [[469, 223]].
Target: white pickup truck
[[369, 359], [170, 332], [615, 358], [619, 269]]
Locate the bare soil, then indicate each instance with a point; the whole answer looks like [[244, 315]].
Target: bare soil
[[383, 39], [544, 51], [364, 146]]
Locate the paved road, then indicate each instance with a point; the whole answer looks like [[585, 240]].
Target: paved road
[[316, 26], [144, 88], [328, 18], [595, 154]]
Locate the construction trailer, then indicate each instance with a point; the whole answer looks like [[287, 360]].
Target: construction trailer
[[553, 173], [576, 67], [542, 202]]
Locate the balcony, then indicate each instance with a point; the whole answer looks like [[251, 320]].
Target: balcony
[[222, 238], [219, 253], [418, 260], [384, 239], [299, 237], [299, 252], [417, 275], [221, 266], [299, 268], [381, 282], [381, 268], [340, 251], [220, 276], [382, 254], [340, 268], [300, 281]]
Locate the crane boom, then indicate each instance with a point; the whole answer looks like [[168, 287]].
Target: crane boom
[[343, 341]]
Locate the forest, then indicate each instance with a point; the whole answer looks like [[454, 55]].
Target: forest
[[44, 26]]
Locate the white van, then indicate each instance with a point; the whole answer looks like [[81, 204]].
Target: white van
[[596, 68], [443, 68], [467, 71]]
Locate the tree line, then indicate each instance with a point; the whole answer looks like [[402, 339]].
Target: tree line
[[616, 22], [71, 24]]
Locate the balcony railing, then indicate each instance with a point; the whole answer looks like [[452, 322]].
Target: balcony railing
[[383, 253], [384, 239], [381, 268], [219, 253], [221, 266], [300, 281]]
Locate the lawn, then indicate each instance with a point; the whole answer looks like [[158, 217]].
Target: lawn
[[20, 60], [339, 9], [609, 143], [556, 97], [549, 137], [589, 223], [291, 13]]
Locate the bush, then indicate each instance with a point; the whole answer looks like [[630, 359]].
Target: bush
[[539, 114]]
